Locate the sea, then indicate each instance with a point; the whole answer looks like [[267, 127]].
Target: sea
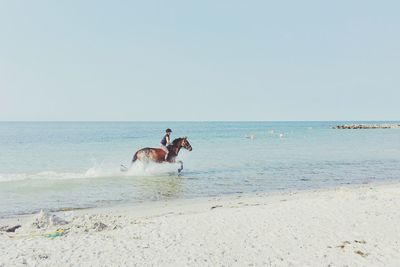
[[71, 165]]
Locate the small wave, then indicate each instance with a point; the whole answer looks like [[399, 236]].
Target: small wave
[[45, 175], [137, 169]]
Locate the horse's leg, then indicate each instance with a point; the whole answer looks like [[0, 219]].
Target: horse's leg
[[181, 168]]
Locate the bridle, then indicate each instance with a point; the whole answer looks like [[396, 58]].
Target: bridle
[[186, 145]]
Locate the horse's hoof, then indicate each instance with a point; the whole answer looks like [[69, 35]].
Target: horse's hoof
[[123, 168]]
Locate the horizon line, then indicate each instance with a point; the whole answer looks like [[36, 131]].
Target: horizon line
[[200, 121]]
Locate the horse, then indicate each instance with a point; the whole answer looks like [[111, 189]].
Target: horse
[[158, 155]]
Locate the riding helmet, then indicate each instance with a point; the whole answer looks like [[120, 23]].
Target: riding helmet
[[168, 130]]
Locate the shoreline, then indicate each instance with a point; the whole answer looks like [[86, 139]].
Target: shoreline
[[355, 225], [178, 201], [171, 203]]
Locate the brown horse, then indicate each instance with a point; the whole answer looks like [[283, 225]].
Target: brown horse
[[158, 155]]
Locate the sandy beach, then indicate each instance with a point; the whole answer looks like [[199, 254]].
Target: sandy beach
[[354, 226]]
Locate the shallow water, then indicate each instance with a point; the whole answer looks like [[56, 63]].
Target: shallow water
[[57, 165]]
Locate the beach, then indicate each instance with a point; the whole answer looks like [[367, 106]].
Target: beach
[[341, 226]]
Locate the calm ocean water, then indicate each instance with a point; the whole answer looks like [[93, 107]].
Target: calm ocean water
[[55, 165]]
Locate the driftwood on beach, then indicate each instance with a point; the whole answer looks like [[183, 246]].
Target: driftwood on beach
[[368, 126]]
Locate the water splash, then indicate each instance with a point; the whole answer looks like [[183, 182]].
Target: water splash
[[96, 171]]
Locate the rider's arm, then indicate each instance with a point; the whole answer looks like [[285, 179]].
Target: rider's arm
[[168, 140]]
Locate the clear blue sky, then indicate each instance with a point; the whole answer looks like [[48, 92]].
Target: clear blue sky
[[199, 60]]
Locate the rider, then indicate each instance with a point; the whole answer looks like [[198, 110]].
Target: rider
[[166, 141]]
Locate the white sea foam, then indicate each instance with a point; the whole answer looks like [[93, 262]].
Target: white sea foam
[[45, 175]]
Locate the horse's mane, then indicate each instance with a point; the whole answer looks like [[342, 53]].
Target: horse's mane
[[176, 140]]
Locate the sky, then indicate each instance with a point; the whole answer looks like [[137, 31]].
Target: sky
[[199, 60]]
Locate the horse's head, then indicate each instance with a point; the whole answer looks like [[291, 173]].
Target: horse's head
[[183, 142], [186, 144]]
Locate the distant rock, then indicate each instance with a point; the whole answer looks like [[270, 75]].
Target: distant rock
[[368, 126]]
